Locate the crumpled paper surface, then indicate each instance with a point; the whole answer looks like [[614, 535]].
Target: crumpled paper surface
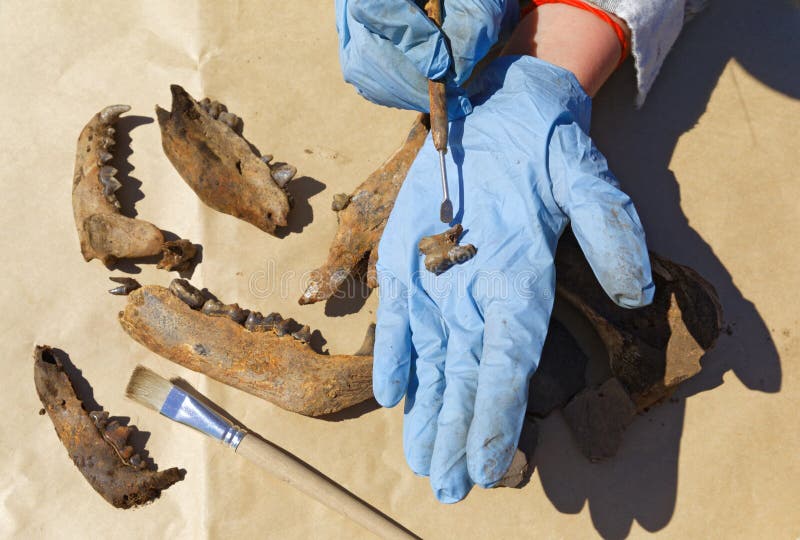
[[711, 162]]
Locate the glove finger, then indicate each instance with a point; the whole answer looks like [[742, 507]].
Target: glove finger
[[426, 385], [603, 218], [512, 344], [449, 476], [392, 352], [408, 28]]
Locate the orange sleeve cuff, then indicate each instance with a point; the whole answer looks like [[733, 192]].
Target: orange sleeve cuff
[[591, 9]]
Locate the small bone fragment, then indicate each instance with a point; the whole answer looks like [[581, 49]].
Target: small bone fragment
[[177, 255], [280, 369], [362, 221], [97, 447], [103, 231], [442, 250], [340, 202], [220, 165], [599, 417], [127, 285]]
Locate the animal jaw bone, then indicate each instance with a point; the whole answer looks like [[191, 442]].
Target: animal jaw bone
[[268, 357], [362, 217], [103, 231], [97, 446], [442, 250], [202, 141]]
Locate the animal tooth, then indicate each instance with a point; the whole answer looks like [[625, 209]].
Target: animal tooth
[[303, 335], [128, 285], [283, 327], [253, 322], [229, 119], [187, 293], [282, 173], [215, 308], [110, 131], [340, 202], [110, 186], [214, 109], [266, 158], [111, 113], [107, 171]]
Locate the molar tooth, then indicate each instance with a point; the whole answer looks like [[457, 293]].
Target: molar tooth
[[215, 308], [283, 327], [136, 461], [282, 173], [187, 293], [303, 335], [230, 119], [107, 171], [106, 143], [105, 157], [112, 112], [254, 321]]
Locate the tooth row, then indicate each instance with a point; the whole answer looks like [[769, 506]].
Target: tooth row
[[116, 435], [218, 111], [251, 320], [110, 184]]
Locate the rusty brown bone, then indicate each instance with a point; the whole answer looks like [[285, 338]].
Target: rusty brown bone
[[98, 446], [103, 231], [267, 356], [362, 217], [203, 142]]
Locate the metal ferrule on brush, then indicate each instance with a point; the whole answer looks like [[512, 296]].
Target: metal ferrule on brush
[[186, 409]]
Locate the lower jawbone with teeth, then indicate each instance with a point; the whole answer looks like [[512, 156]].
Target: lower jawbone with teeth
[[103, 231], [267, 356], [98, 446], [203, 142]]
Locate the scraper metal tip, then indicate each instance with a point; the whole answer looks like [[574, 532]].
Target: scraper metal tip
[[446, 210]]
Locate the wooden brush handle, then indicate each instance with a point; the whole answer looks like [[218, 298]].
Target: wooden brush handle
[[294, 472], [436, 89]]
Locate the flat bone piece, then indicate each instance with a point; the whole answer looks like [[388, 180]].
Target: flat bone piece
[[442, 250], [220, 165], [103, 231], [281, 369], [97, 447]]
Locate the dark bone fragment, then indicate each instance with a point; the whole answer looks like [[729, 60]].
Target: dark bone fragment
[[97, 446], [203, 142], [103, 231], [442, 250], [269, 363], [177, 255]]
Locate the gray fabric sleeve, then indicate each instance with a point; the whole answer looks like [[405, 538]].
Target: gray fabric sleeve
[[655, 25]]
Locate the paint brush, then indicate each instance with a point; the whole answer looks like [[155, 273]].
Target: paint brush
[[156, 392]]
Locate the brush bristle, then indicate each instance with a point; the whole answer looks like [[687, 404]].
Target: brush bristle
[[148, 388]]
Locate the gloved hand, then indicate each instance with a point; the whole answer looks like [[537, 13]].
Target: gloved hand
[[462, 346], [389, 49]]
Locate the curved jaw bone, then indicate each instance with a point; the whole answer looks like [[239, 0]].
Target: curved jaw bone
[[104, 232], [267, 356], [98, 446], [202, 141]]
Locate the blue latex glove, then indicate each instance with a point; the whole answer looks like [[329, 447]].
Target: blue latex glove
[[462, 346], [389, 49]]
